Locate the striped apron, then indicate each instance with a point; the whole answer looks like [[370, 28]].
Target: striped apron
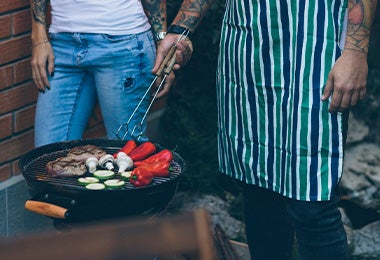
[[273, 129]]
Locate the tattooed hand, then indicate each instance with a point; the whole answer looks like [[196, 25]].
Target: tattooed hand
[[347, 80], [184, 50]]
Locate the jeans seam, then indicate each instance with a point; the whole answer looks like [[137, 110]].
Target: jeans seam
[[75, 106]]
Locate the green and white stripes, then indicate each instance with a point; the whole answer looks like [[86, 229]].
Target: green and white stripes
[[274, 131]]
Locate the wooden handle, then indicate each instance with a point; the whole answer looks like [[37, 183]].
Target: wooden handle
[[167, 58], [46, 209]]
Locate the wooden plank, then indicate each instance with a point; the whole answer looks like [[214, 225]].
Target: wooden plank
[[186, 236]]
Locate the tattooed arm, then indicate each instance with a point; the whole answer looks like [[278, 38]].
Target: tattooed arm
[[360, 18], [191, 13], [155, 10], [348, 78], [42, 53], [189, 16]]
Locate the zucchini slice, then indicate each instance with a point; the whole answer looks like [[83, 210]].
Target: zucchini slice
[[95, 186], [87, 180], [126, 175], [103, 174], [114, 183]]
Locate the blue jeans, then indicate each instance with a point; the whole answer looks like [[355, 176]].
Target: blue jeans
[[116, 70], [272, 220]]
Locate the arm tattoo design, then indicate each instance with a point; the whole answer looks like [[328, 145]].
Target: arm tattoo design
[[39, 11], [192, 12], [155, 10], [360, 17]]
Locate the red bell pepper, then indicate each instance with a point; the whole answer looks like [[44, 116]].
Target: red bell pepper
[[142, 151], [159, 169], [141, 177], [162, 156], [127, 148]]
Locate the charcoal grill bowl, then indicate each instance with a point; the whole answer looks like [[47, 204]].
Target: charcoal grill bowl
[[87, 205]]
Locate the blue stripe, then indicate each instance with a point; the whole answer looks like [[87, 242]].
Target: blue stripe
[[268, 86], [251, 95], [336, 15], [298, 57], [335, 138], [228, 149], [239, 113], [314, 127], [286, 74], [335, 148]]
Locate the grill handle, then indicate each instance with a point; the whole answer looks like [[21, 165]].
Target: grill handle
[[46, 209]]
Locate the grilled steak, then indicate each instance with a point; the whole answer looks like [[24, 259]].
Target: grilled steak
[[74, 164], [81, 153], [66, 166]]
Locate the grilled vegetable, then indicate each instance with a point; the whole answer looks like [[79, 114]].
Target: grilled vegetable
[[106, 162], [103, 174], [142, 151], [159, 169], [114, 183], [127, 148], [87, 180], [126, 175], [141, 177], [92, 163], [124, 162], [95, 186], [162, 156]]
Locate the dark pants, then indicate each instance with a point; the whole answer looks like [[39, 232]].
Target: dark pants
[[272, 220]]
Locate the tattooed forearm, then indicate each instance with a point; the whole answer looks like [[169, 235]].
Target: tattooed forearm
[[39, 11], [155, 10], [360, 17], [192, 12]]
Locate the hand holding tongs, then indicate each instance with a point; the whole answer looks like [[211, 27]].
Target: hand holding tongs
[[164, 70]]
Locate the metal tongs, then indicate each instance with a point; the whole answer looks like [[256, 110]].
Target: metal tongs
[[163, 71]]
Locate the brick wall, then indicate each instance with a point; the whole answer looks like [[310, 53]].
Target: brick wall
[[18, 93]]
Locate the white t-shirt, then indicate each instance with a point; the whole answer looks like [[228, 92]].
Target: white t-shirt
[[114, 17]]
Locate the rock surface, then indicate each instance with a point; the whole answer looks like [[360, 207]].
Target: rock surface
[[361, 176], [366, 242], [217, 208]]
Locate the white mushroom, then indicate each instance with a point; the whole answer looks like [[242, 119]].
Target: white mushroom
[[106, 162], [124, 162], [92, 163]]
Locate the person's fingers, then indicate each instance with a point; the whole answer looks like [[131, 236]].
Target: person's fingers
[[329, 88], [335, 102], [166, 85], [51, 65], [362, 93], [345, 102], [354, 98]]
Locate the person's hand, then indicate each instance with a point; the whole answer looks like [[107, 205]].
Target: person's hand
[[184, 51], [42, 63], [347, 81]]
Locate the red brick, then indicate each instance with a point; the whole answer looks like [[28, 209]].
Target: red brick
[[19, 97], [5, 172], [24, 118], [21, 22], [17, 146], [5, 28], [6, 76], [16, 48], [6, 126], [15, 169], [9, 5], [22, 71]]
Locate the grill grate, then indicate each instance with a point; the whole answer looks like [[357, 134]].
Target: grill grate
[[34, 170]]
